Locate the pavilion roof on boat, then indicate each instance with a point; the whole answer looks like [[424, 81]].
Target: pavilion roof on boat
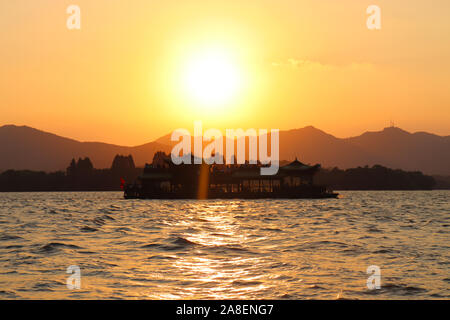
[[297, 168]]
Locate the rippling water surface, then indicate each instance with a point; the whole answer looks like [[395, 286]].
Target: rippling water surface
[[232, 249]]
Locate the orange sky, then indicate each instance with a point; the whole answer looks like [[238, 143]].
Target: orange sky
[[302, 63]]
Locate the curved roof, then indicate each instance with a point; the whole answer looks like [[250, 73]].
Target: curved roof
[[298, 166]]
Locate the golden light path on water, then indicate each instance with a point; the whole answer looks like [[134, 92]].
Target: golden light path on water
[[215, 273], [224, 249]]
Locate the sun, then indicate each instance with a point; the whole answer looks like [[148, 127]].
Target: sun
[[212, 79]]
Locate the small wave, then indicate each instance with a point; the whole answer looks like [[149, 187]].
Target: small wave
[[31, 225], [245, 283], [397, 289], [99, 221], [150, 245], [88, 229], [321, 244], [272, 229], [354, 251], [175, 244], [157, 257], [6, 237], [8, 294], [14, 247], [315, 287], [86, 252], [107, 211], [384, 251], [10, 272], [235, 248], [438, 296], [45, 286], [54, 246], [183, 242], [228, 248], [91, 273]]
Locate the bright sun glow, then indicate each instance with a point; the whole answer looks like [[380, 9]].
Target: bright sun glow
[[212, 79]]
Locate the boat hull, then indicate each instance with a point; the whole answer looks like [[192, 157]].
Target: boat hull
[[211, 195]]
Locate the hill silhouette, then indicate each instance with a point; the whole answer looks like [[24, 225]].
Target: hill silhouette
[[25, 148], [391, 147], [398, 148], [28, 148]]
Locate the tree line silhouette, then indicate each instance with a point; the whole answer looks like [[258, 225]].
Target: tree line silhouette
[[374, 178], [82, 176], [79, 176]]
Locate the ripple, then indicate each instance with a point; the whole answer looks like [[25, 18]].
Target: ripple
[[397, 289], [55, 246], [245, 283], [6, 237], [88, 229], [183, 242]]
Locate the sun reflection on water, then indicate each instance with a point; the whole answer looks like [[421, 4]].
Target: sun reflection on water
[[219, 231]]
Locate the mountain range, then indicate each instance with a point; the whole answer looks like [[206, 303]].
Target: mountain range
[[24, 147]]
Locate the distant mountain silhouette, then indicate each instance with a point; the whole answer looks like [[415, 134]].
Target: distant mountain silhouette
[[391, 147], [312, 145], [28, 148], [398, 148]]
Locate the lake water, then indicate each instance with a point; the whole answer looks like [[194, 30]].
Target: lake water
[[232, 249]]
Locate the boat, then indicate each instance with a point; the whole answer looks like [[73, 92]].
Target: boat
[[164, 180]]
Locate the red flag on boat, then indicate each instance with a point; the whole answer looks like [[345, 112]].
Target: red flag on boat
[[122, 183]]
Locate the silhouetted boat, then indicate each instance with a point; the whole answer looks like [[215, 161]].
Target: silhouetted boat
[[164, 180]]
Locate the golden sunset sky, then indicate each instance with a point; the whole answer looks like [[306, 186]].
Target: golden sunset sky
[[130, 75]]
